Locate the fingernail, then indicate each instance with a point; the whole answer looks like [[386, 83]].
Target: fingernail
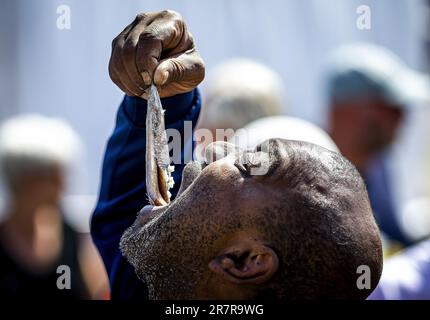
[[146, 78], [145, 94], [163, 78]]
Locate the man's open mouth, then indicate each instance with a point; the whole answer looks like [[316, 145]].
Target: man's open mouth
[[159, 178]]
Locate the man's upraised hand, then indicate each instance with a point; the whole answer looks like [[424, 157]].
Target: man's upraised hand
[[156, 47]]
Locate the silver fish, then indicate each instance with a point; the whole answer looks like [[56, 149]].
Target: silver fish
[[158, 169]]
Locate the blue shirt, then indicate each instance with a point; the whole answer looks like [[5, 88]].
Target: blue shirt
[[123, 189], [379, 187], [406, 276]]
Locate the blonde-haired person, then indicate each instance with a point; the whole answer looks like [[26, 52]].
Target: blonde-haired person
[[35, 154]]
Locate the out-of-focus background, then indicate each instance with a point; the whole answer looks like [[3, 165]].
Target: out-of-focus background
[[62, 72]]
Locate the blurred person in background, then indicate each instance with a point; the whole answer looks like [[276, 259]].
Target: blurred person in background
[[247, 97], [35, 154], [284, 127], [406, 276], [238, 91], [370, 90]]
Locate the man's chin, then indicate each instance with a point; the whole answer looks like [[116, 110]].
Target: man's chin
[[132, 244]]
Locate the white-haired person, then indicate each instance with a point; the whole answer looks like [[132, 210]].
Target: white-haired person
[[238, 91], [284, 127], [35, 154]]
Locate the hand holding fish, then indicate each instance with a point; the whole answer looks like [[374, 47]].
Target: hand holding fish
[[156, 48]]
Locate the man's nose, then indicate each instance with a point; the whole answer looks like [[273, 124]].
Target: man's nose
[[219, 149]]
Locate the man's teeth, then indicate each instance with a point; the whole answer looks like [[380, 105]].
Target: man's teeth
[[170, 182], [167, 181]]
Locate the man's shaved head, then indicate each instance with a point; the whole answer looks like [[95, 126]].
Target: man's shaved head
[[299, 231]]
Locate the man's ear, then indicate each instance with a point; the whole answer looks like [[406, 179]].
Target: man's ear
[[246, 262]]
